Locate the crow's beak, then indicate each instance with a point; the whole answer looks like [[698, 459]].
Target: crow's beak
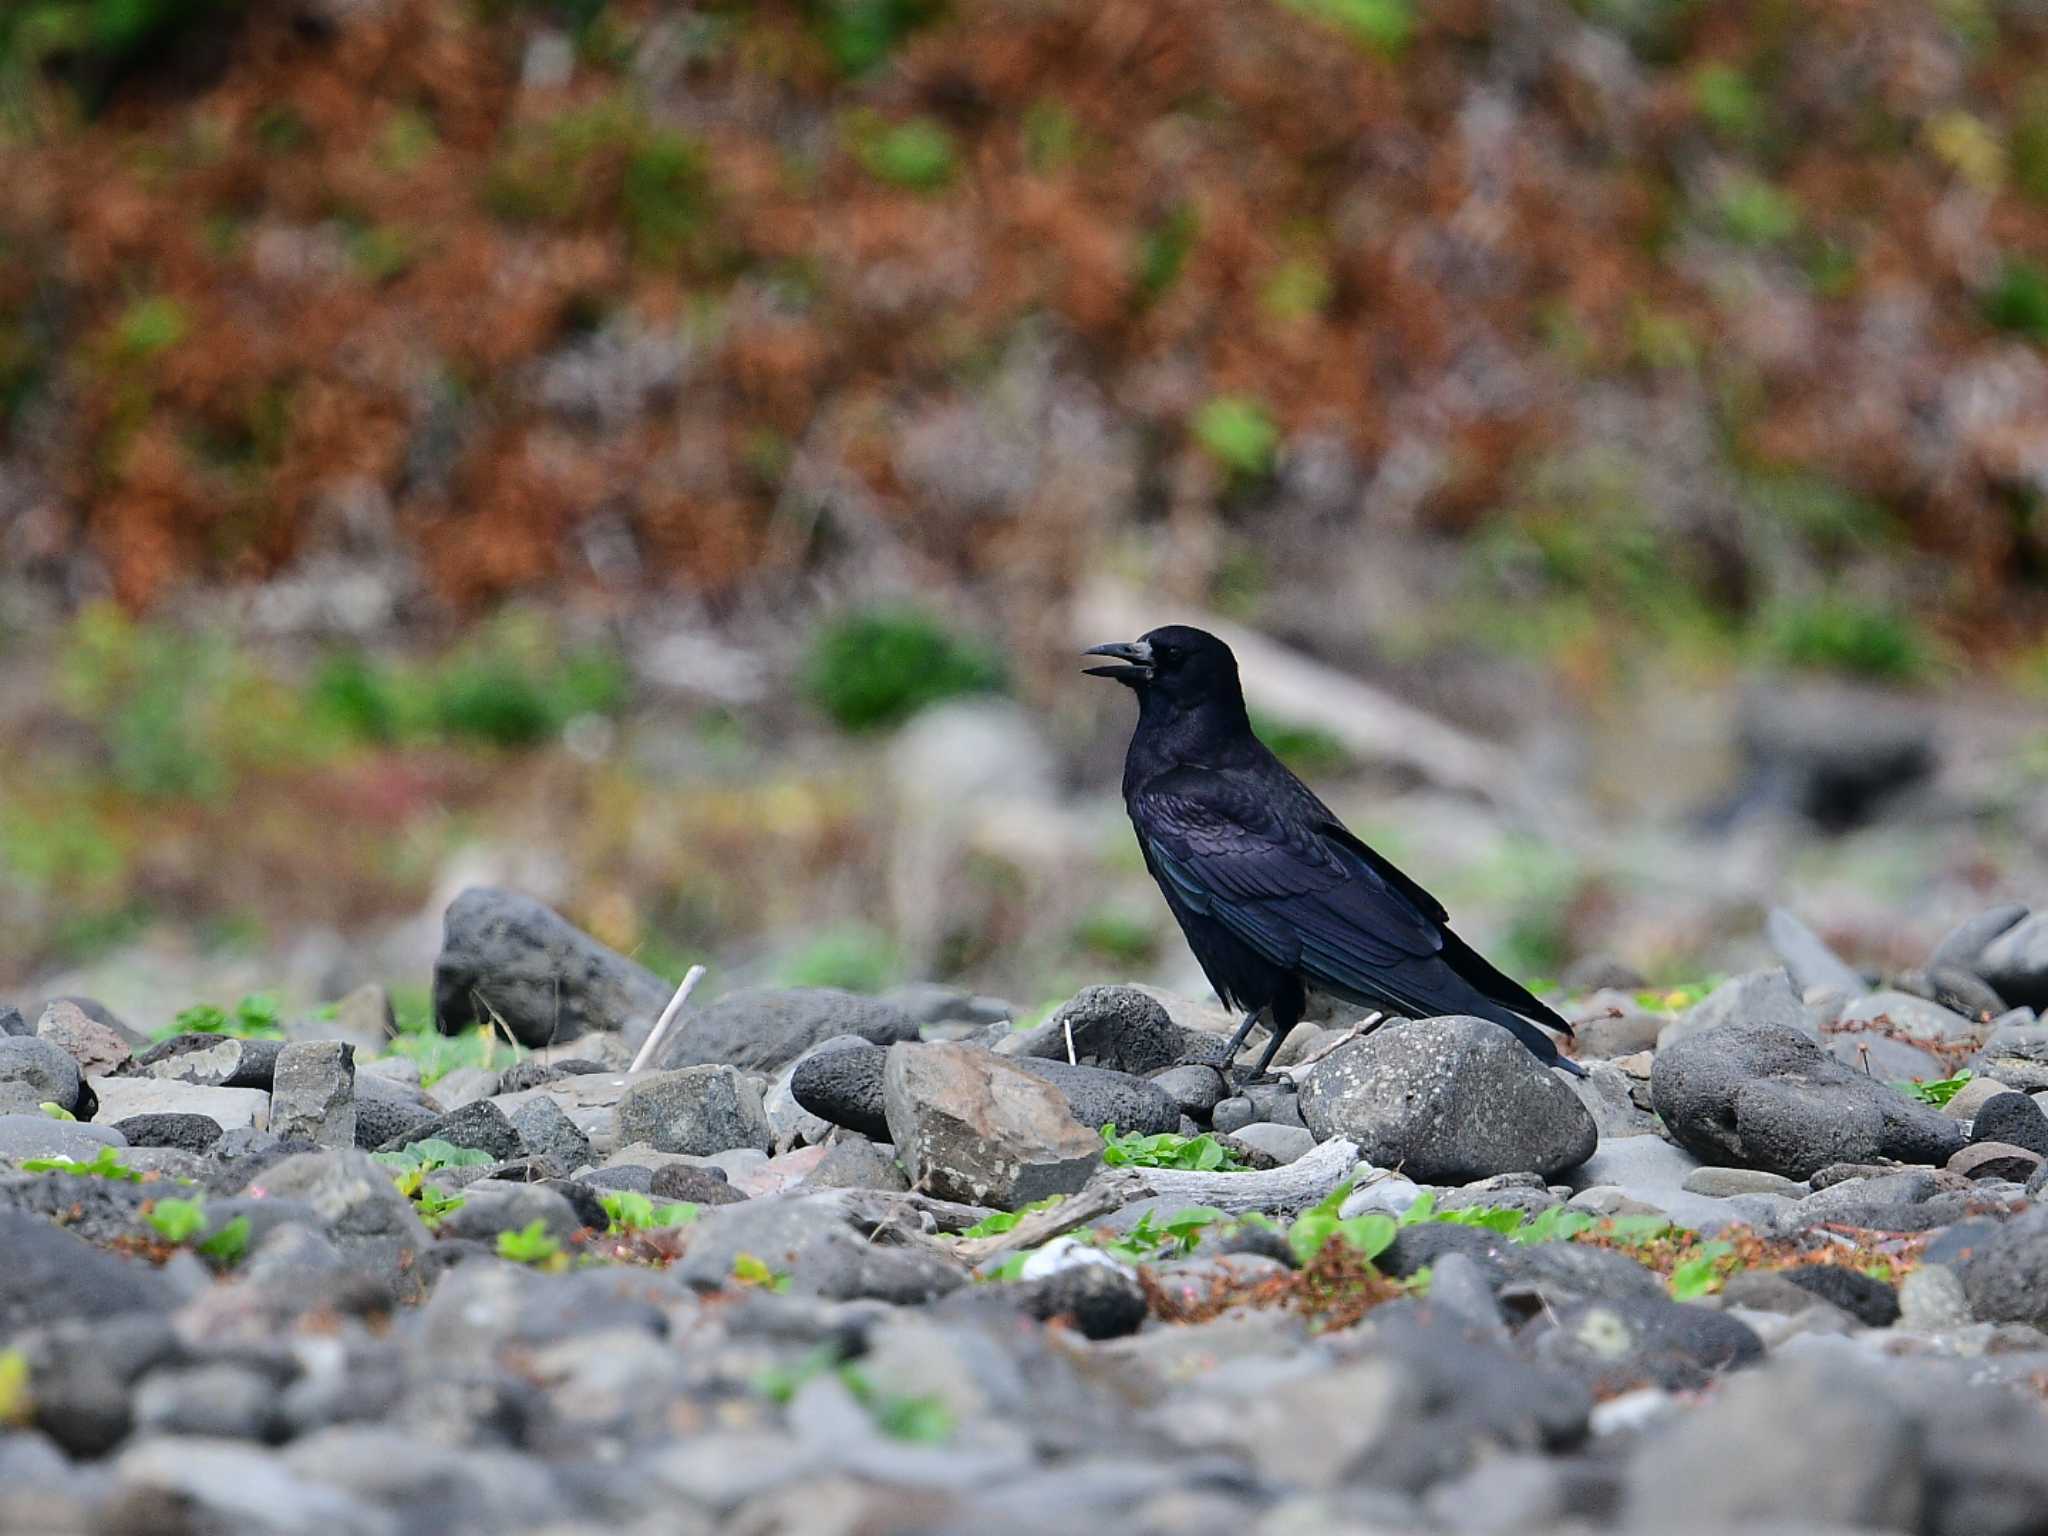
[[1137, 653]]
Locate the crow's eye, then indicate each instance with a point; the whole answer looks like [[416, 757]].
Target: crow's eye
[[1163, 653]]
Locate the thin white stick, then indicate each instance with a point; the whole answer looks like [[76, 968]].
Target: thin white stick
[[668, 1017], [1068, 1026]]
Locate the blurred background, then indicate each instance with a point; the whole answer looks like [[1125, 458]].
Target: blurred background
[[666, 457]]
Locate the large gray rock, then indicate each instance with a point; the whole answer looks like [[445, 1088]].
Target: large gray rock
[[841, 1082], [481, 1126], [2013, 1118], [1447, 1101], [1818, 1440], [1097, 1097], [767, 1029], [507, 956], [1762, 1095], [51, 1275], [313, 1093], [2006, 1278], [970, 1126], [824, 1242], [2016, 963], [696, 1110], [1120, 1028], [369, 1219], [47, 1070], [1901, 1014], [2017, 1055]]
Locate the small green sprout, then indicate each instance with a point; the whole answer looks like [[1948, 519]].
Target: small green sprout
[[105, 1164], [1938, 1091], [227, 1246], [531, 1244], [630, 1211], [177, 1221], [55, 1110], [751, 1271], [1198, 1154]]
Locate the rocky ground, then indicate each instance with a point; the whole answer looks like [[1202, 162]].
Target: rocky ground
[[828, 1263]]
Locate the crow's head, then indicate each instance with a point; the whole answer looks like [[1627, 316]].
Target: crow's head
[[1185, 666]]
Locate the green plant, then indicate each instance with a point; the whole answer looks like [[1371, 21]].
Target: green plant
[[177, 1221], [1309, 750], [2017, 299], [257, 1016], [1163, 252], [860, 34], [1177, 1234], [530, 1244], [629, 1211], [921, 1418], [1238, 433], [148, 327], [1380, 26], [854, 958], [1701, 1273], [1846, 634], [1298, 289], [1750, 211], [227, 1246], [2028, 150], [879, 666], [916, 154], [1369, 1234], [997, 1222], [91, 43], [1674, 999], [1729, 102], [1556, 1224], [104, 1164], [440, 1054], [1939, 1090], [1116, 934], [1199, 1154], [16, 1405], [55, 1110], [751, 1271]]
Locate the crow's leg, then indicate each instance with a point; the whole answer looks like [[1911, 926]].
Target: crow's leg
[[1280, 1033], [1243, 1034]]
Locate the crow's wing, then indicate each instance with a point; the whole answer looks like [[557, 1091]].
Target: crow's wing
[[1298, 897]]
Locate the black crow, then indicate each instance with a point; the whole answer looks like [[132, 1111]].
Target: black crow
[[1275, 896]]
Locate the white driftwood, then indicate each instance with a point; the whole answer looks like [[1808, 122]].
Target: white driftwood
[[1111, 1190], [668, 1017], [1293, 1187], [1372, 724]]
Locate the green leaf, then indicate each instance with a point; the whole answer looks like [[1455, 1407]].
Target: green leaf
[[16, 1405], [105, 1164], [627, 1210], [55, 1110], [1698, 1276], [749, 1270], [1238, 433], [1938, 1091], [998, 1222], [531, 1244], [228, 1244], [177, 1221], [1195, 1154]]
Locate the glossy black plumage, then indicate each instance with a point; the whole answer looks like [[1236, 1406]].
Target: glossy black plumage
[[1275, 896]]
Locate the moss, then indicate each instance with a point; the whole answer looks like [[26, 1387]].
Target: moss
[[880, 666]]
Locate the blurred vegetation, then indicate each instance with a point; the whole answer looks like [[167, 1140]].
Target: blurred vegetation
[[880, 666]]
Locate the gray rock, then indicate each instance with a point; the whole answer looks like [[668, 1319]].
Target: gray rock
[[185, 1133], [1867, 1299], [491, 1206], [1120, 1028], [313, 1093], [766, 1030], [1448, 1101], [97, 1044], [25, 1136], [2006, 1277], [840, 1081], [823, 1242], [369, 1219], [363, 1019], [1762, 1095], [51, 1275], [1996, 1160], [1622, 1030], [222, 1401], [1757, 998], [685, 1181], [2013, 1118], [934, 1003], [232, 1486], [969, 1125], [1958, 991], [1231, 1115], [1810, 963], [212, 1061], [1282, 1143], [1833, 752], [1932, 1299], [507, 956], [1902, 1014], [2016, 962], [695, 1110], [1723, 1182], [1097, 1097], [547, 1133], [481, 1126], [1619, 1342], [791, 1124], [465, 1086], [46, 1069], [1881, 1057], [2015, 1054], [1962, 947], [857, 1164], [382, 1122], [1196, 1090], [1749, 1454], [12, 1024]]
